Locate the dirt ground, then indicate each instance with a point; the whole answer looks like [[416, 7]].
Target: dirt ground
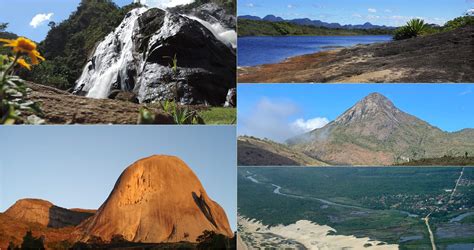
[[61, 107], [446, 57]]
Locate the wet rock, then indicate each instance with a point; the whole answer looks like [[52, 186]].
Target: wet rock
[[123, 96], [161, 55]]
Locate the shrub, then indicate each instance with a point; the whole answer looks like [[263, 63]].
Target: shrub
[[413, 28], [30, 242], [459, 22]]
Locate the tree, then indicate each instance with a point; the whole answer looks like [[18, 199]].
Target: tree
[[12, 246], [117, 238], [211, 240], [31, 242], [52, 24], [3, 26]]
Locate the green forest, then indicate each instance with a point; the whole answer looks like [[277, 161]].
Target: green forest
[[265, 28]]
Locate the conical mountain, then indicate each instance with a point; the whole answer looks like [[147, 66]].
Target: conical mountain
[[375, 132], [157, 199]]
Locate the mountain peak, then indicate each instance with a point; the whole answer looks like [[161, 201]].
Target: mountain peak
[[370, 107], [157, 199], [376, 98]]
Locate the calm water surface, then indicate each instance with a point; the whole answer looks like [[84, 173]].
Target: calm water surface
[[263, 50]]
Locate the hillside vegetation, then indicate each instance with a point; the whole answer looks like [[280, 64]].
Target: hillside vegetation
[[263, 152], [264, 28], [442, 161], [375, 132]]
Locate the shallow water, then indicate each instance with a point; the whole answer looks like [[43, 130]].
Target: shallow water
[[467, 246], [461, 217], [263, 50]]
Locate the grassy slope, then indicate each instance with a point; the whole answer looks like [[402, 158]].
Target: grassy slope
[[415, 140], [442, 161], [265, 28], [257, 152], [219, 115]]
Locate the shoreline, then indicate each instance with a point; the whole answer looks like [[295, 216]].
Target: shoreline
[[311, 35], [305, 233], [388, 62]]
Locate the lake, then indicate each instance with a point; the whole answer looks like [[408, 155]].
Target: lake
[[254, 51]]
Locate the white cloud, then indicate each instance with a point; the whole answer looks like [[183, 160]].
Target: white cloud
[[372, 10], [250, 5], [275, 119], [164, 3], [388, 10], [290, 6], [373, 17], [357, 15], [470, 12], [302, 126], [40, 19]]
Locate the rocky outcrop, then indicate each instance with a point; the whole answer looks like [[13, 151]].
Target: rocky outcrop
[[210, 12], [375, 132], [161, 55], [156, 199], [46, 214], [61, 107]]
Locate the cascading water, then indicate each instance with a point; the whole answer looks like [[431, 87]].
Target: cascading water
[[136, 57], [109, 64], [227, 36]]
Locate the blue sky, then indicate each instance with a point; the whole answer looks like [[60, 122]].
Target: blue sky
[[382, 12], [20, 13], [77, 166], [285, 110]]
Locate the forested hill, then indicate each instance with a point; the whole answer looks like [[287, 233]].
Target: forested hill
[[5, 35], [265, 28], [69, 43]]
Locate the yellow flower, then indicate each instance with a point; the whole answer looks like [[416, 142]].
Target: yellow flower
[[22, 62], [34, 55], [24, 45], [21, 44]]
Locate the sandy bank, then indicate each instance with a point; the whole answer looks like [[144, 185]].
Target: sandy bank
[[306, 233]]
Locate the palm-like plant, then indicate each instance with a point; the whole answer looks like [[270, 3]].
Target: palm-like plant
[[413, 28]]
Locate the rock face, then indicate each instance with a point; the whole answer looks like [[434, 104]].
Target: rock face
[[210, 12], [46, 214], [157, 199], [161, 55], [375, 132]]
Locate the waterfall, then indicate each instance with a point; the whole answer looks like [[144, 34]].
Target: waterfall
[[109, 63], [115, 64], [227, 36]]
